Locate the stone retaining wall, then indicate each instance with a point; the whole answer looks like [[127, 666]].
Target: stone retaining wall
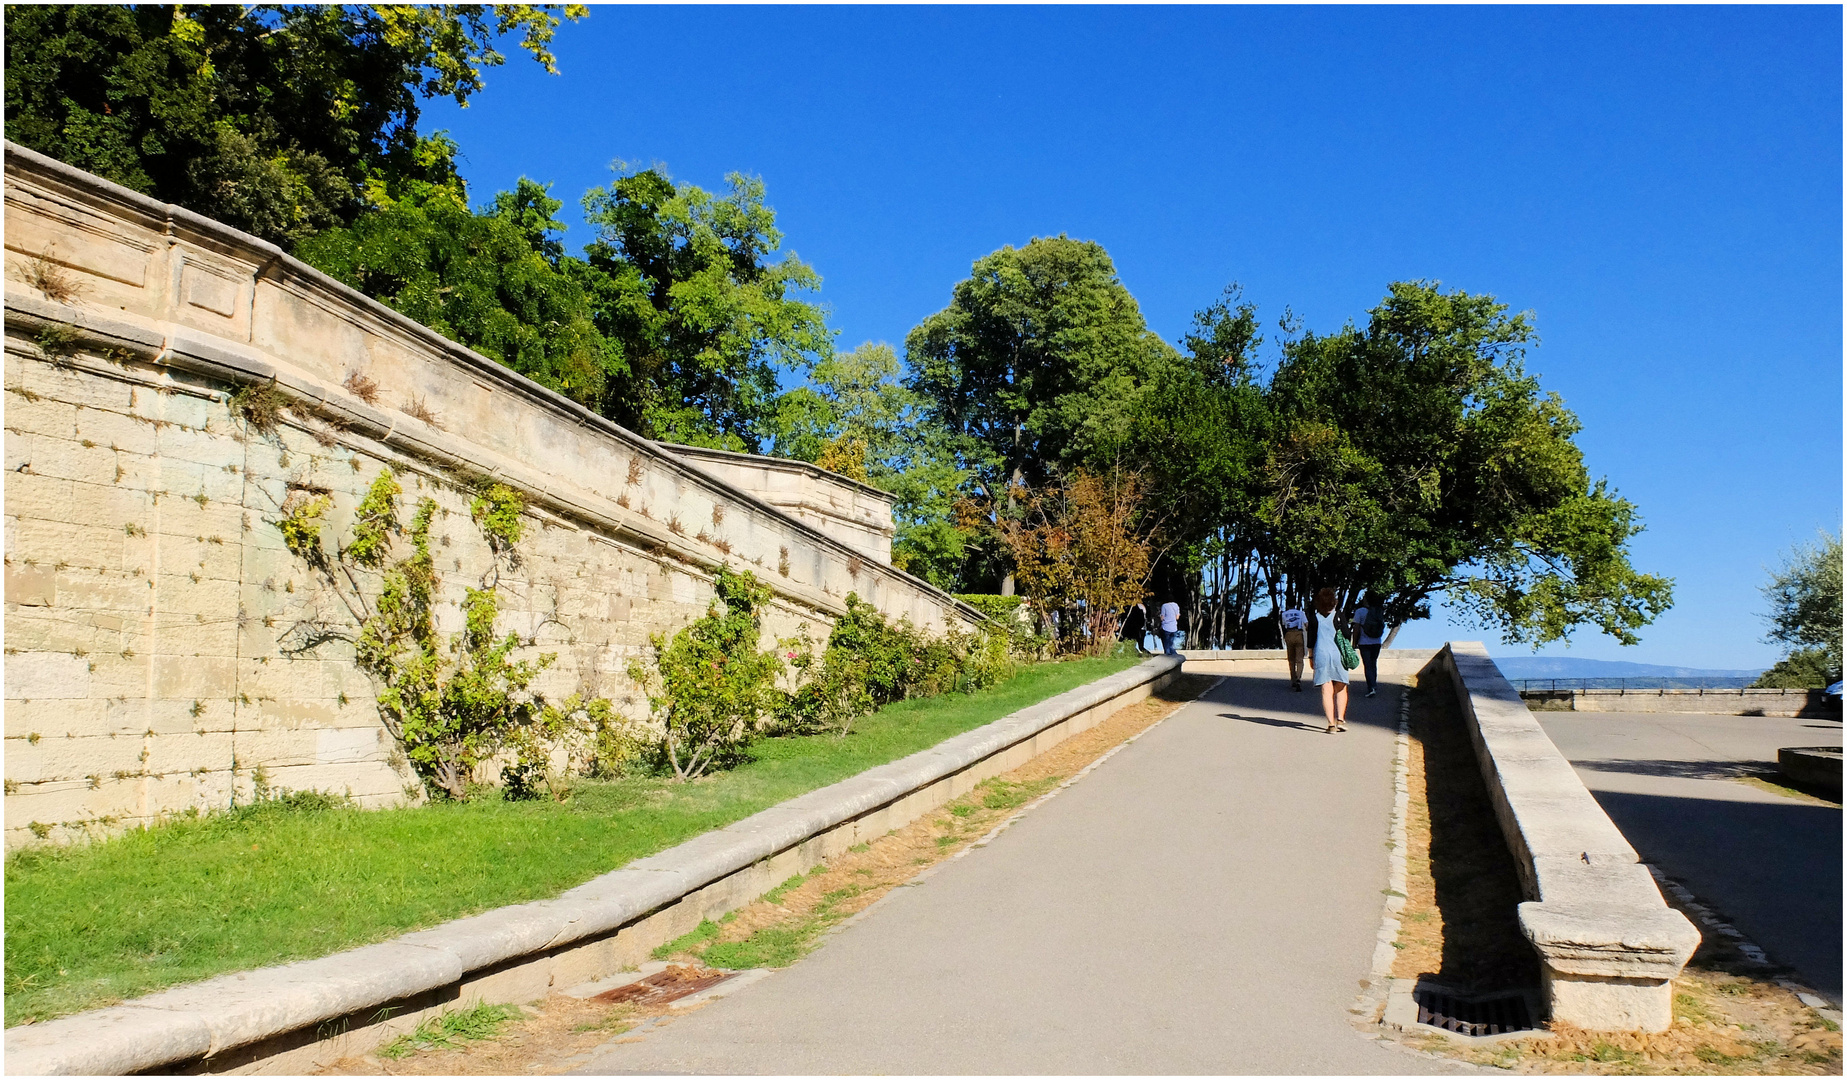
[[1608, 943], [154, 616], [298, 1017]]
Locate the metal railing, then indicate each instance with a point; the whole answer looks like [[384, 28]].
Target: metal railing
[[1640, 683]]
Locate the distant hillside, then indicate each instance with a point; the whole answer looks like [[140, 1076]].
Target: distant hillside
[[1566, 667]]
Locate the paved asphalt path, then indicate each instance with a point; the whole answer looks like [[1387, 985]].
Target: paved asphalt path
[[1205, 902], [1770, 864]]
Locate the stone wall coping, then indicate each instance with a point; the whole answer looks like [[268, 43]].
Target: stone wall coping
[[1681, 691], [1592, 908], [228, 1011], [224, 358], [192, 350], [765, 461]]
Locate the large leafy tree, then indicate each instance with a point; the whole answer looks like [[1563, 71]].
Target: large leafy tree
[[1201, 432], [1416, 457], [1199, 428], [684, 285], [857, 418], [496, 280], [273, 118], [1034, 363]]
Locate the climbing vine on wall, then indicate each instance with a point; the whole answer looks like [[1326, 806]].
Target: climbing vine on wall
[[452, 701]]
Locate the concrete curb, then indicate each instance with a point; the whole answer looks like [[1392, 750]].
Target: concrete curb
[[290, 1017], [1608, 943], [1373, 1005]]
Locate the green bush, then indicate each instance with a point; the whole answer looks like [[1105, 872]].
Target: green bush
[[1803, 669], [870, 663], [1016, 619], [713, 690]]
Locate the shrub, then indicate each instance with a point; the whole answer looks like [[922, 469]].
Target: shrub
[[870, 662], [1014, 618], [1802, 669], [713, 690]]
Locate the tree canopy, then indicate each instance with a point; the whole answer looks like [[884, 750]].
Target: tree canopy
[[1408, 454], [684, 285], [1031, 365], [1416, 456], [273, 118], [495, 280], [1411, 456], [1805, 614]]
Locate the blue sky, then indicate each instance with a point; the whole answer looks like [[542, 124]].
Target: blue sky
[[1660, 186]]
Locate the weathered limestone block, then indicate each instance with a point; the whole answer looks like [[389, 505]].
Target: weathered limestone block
[[31, 586], [39, 676]]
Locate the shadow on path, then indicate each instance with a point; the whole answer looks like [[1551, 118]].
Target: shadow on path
[[1772, 867], [1319, 729]]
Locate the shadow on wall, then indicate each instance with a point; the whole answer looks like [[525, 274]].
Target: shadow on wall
[[1476, 882]]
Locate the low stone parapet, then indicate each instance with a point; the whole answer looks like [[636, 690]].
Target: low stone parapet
[[1608, 943], [1750, 701]]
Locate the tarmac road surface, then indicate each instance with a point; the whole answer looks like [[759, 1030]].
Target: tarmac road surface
[[1770, 864], [1205, 902]]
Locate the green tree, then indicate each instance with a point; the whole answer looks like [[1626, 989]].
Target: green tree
[[1805, 615], [854, 408], [684, 287], [1417, 457], [1200, 431], [1033, 364], [495, 280], [277, 119]]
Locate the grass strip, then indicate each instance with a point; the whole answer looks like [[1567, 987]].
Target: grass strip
[[90, 925]]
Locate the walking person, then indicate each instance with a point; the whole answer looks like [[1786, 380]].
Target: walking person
[[1170, 627], [1369, 622], [1330, 667], [1295, 628]]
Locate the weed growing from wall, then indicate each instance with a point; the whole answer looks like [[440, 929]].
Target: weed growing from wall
[[260, 404]]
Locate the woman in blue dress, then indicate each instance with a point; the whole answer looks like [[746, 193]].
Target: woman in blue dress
[[1324, 654]]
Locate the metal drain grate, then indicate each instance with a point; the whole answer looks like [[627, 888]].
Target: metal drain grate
[[670, 985], [1496, 1014]]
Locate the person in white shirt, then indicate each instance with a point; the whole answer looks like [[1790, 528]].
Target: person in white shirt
[[1295, 627], [1371, 639], [1170, 627]]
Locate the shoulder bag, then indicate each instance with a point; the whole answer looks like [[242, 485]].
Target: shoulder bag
[[1349, 659]]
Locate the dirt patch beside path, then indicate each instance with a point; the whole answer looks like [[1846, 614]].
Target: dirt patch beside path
[[1461, 928], [558, 1034]]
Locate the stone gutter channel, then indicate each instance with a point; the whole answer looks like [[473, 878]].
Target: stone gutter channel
[[289, 1018]]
